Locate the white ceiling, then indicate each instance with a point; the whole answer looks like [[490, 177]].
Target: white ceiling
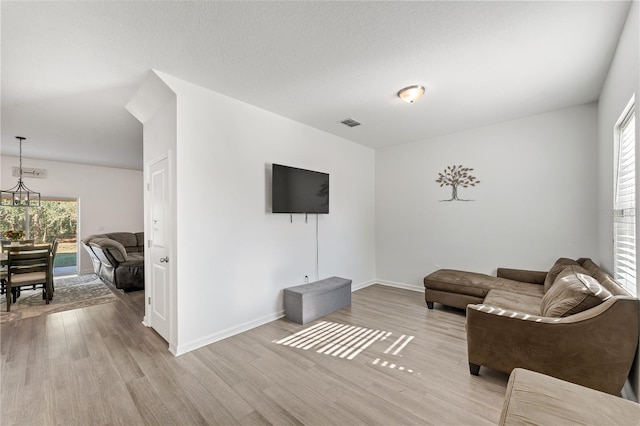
[[68, 68]]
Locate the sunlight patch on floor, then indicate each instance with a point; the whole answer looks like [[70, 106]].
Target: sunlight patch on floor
[[346, 341]]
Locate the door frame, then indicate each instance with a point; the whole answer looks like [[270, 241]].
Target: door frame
[[171, 248]]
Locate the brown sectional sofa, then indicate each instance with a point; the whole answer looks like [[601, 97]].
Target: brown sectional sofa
[[118, 258], [573, 322]]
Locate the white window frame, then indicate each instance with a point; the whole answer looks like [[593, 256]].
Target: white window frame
[[624, 200]]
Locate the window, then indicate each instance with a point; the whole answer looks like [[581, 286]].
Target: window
[[55, 218], [624, 203]]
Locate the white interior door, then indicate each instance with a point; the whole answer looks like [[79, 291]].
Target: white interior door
[[160, 263]]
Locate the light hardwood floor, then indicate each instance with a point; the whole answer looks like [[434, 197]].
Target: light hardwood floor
[[100, 365]]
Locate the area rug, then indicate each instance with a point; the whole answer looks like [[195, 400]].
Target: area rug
[[72, 292]]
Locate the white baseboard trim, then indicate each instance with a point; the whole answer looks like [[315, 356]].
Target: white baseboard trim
[[362, 285], [404, 286], [221, 335], [173, 350]]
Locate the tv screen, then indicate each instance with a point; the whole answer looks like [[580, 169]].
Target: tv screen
[[299, 191]]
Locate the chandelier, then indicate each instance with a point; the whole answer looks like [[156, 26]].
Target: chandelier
[[20, 195]]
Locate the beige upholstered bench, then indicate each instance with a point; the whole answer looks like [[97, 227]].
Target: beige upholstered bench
[[536, 399]]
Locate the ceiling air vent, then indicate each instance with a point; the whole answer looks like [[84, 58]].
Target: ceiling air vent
[[350, 122]]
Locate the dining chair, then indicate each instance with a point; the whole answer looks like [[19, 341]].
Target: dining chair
[[28, 266], [6, 245]]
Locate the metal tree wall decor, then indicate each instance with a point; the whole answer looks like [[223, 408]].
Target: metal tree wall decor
[[455, 177]]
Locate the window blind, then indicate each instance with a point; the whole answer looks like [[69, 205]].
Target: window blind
[[624, 218]]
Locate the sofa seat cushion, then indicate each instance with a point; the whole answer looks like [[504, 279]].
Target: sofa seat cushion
[[572, 292], [509, 300], [476, 284]]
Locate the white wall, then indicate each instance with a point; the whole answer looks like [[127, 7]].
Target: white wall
[[234, 257], [109, 199], [535, 201], [623, 80]]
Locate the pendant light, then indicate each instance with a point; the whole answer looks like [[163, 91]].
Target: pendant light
[[20, 195]]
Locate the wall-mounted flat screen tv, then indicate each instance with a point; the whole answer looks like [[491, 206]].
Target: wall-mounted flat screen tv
[[299, 191]]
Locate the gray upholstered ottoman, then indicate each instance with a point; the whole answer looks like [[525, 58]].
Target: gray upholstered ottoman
[[307, 302]]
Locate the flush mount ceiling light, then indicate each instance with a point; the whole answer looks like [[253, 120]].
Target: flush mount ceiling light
[[20, 195], [411, 94]]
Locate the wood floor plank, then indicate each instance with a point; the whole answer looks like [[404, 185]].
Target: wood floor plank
[[210, 361], [265, 406], [165, 379], [254, 418], [149, 405], [85, 379], [91, 410], [213, 409], [127, 367], [99, 365], [33, 408], [306, 411], [63, 389], [206, 381], [118, 403], [12, 380]]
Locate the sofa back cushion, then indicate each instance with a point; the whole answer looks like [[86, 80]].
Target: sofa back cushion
[[573, 291], [603, 278], [140, 240], [127, 239], [557, 267]]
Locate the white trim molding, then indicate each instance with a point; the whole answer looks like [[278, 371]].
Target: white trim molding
[[411, 287], [362, 285], [221, 335]]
